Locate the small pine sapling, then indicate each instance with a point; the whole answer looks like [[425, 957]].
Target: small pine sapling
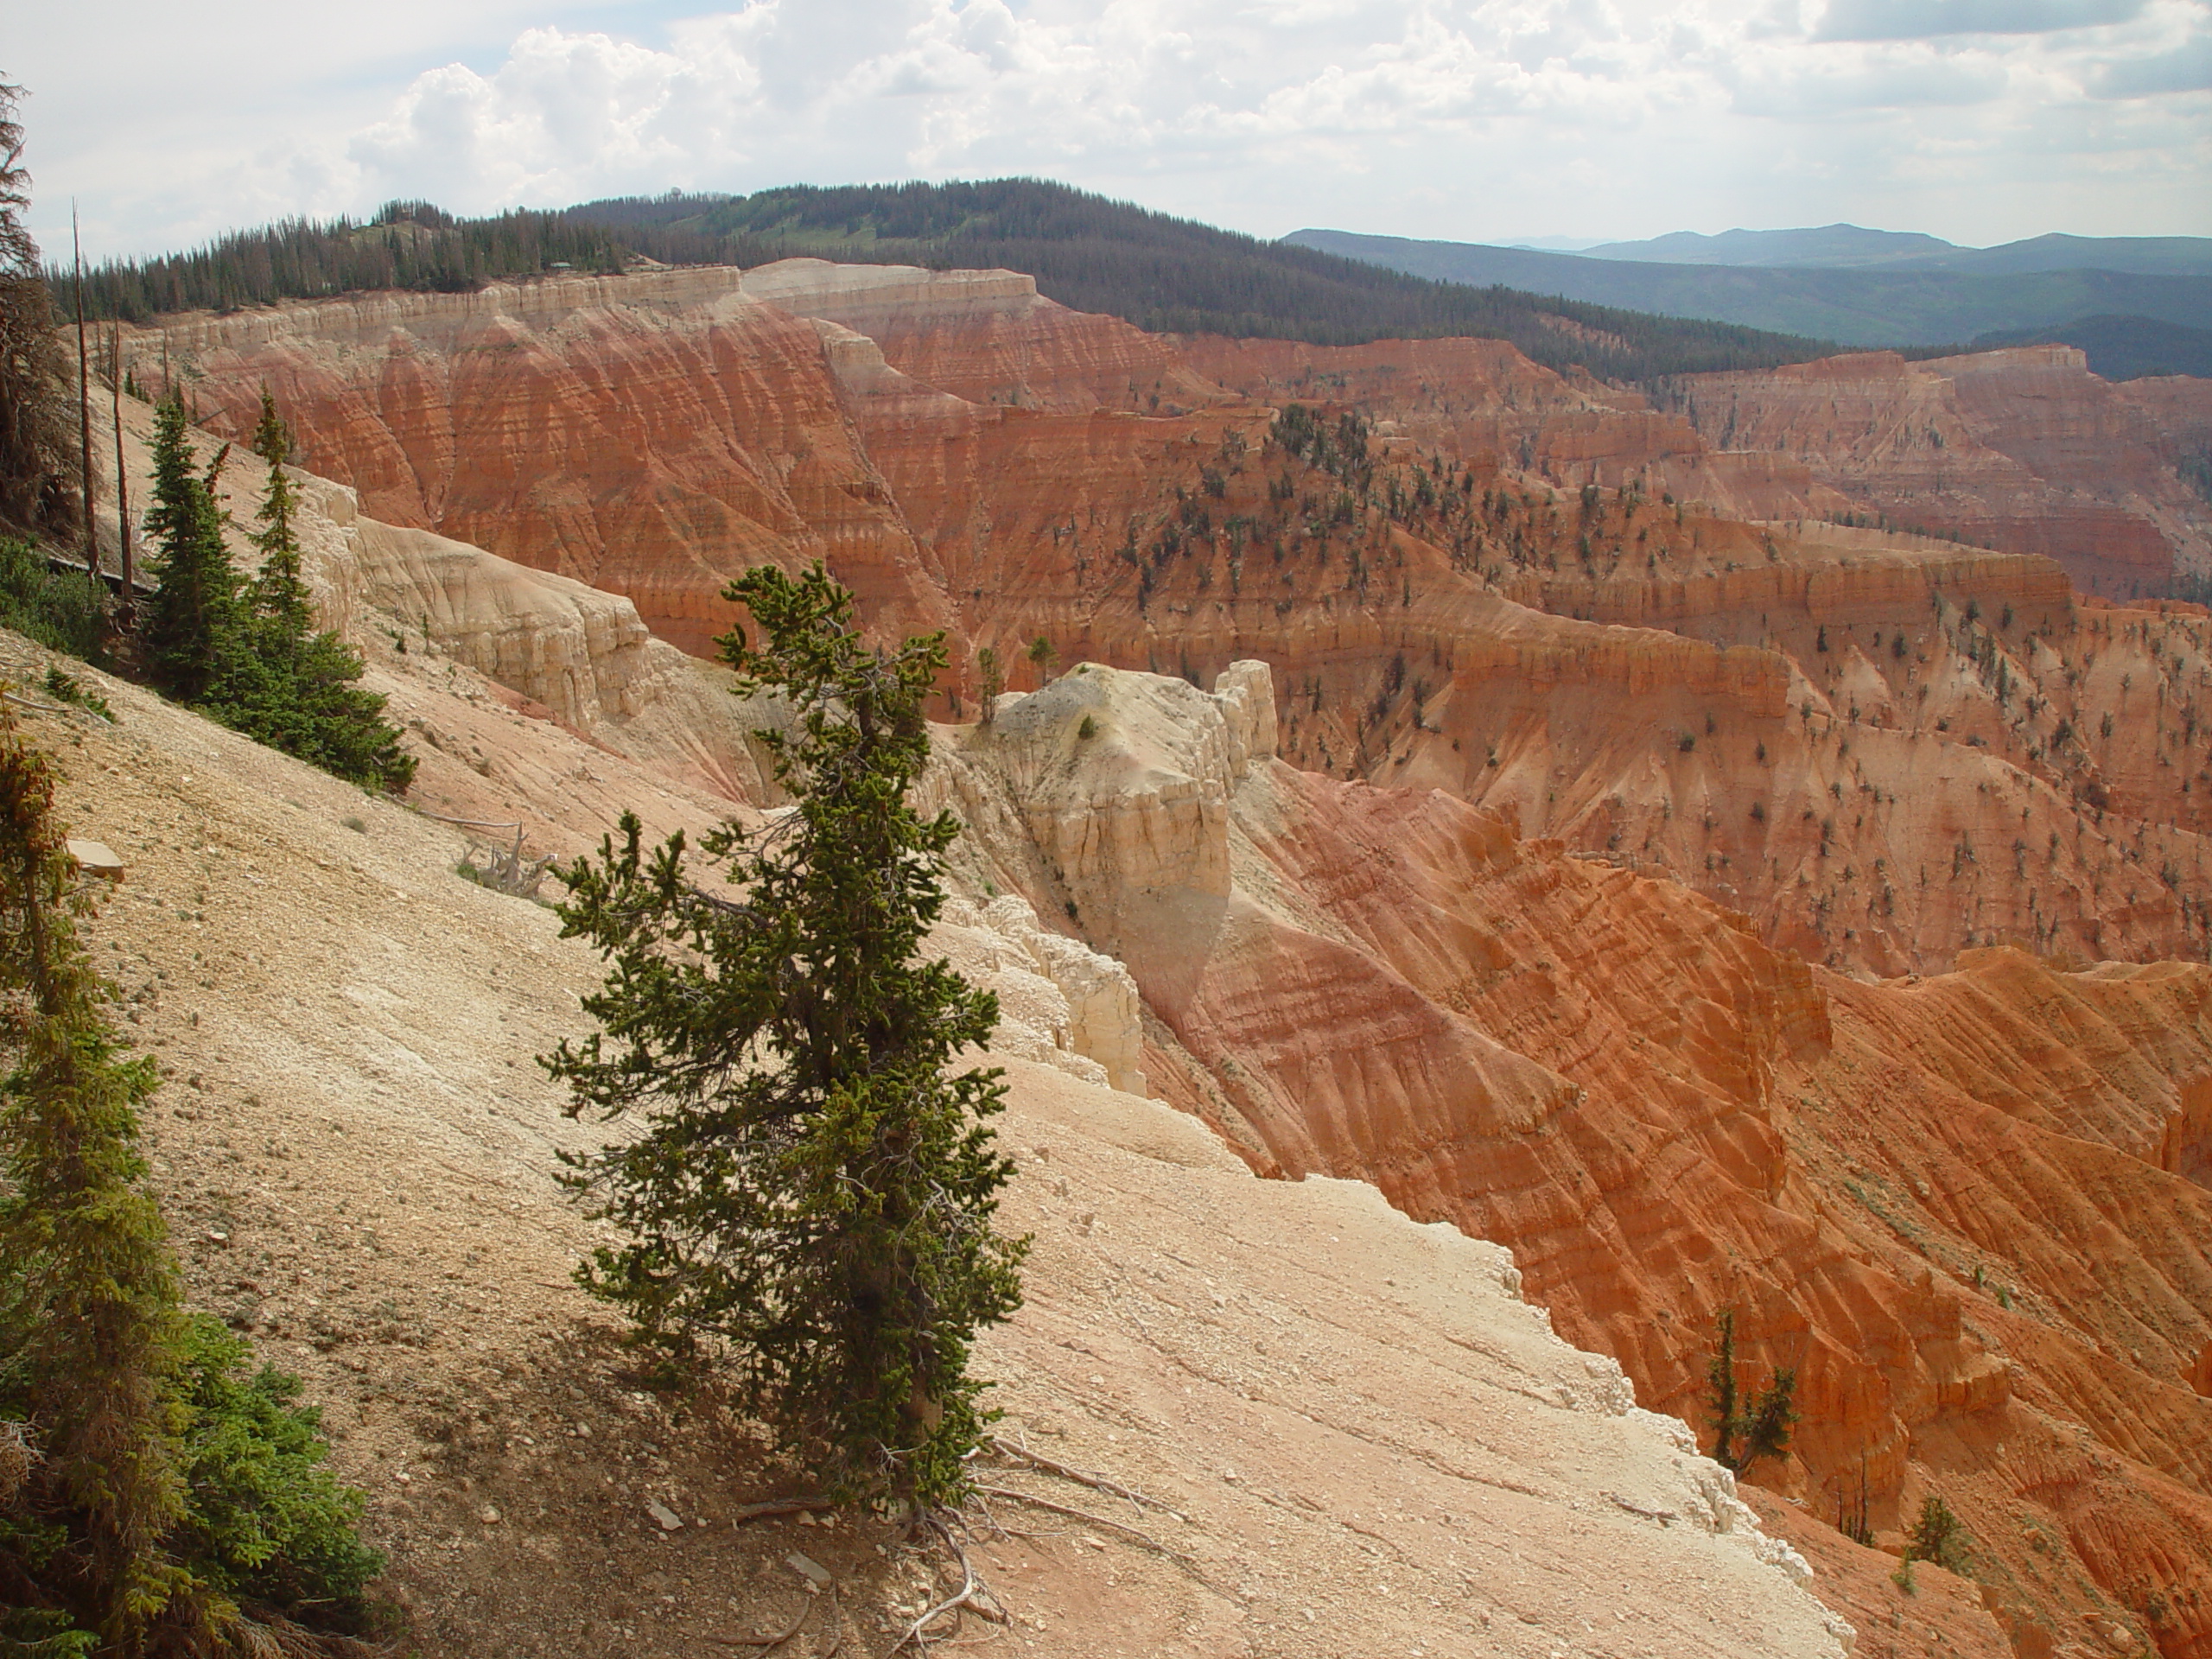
[[1937, 1537], [1746, 1431]]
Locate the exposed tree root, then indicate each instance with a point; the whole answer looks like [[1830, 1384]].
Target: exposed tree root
[[768, 1643], [1145, 1538], [1081, 1477], [971, 1589]]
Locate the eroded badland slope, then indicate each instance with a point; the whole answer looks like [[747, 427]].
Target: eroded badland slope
[[1884, 747], [1542, 883], [1367, 1440]]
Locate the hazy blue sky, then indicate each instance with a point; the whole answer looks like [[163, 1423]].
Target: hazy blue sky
[[1978, 120]]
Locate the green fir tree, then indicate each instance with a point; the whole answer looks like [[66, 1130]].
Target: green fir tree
[[89, 1293], [190, 620], [276, 678], [810, 1200], [153, 1500], [1746, 1431], [279, 592]]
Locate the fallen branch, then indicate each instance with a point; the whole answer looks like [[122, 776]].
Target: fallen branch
[[768, 1643], [1081, 1477], [466, 823], [1145, 1538], [55, 708], [1662, 1517]]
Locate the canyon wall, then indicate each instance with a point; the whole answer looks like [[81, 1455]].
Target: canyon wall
[[358, 1156], [1952, 1205], [2022, 449], [1959, 1202], [1627, 626]]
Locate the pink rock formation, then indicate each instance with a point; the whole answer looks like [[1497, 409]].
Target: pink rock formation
[[1961, 1205], [2022, 449], [1867, 741], [1940, 1201]]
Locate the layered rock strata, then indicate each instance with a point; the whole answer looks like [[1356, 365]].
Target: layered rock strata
[[1906, 1191], [1885, 749], [2023, 449], [1954, 1204], [357, 1152]]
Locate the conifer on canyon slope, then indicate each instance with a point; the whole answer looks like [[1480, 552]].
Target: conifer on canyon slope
[[810, 1203]]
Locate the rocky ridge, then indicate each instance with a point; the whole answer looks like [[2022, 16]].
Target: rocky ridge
[[2022, 449], [1893, 1184]]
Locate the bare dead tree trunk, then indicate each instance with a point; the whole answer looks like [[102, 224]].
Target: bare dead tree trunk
[[85, 407], [122, 477]]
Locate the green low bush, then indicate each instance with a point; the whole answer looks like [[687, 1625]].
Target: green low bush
[[63, 612], [266, 1523]]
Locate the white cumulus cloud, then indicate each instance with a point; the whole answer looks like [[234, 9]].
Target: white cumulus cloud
[[1977, 119]]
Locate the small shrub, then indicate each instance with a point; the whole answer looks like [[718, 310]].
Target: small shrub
[[1088, 729], [61, 612], [1938, 1537], [1686, 741], [354, 825], [68, 688], [266, 1523]]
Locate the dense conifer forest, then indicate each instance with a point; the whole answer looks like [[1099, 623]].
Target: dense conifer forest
[[1161, 273]]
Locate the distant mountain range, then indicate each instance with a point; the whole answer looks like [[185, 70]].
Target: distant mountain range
[[1859, 287], [1625, 311], [1850, 247]]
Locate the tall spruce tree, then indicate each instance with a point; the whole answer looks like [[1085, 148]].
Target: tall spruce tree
[[40, 476], [190, 621], [810, 1200], [89, 1321], [155, 1502], [279, 592]]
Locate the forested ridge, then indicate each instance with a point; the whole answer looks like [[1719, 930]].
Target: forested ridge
[[1160, 273]]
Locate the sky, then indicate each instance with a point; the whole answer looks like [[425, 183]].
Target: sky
[[1980, 121]]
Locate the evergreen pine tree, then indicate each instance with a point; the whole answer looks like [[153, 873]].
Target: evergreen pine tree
[[810, 1199], [151, 1489], [39, 460], [1746, 1433], [278, 680], [89, 1295], [990, 680], [279, 592], [191, 618]]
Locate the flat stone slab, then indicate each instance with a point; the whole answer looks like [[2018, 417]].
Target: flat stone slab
[[96, 858]]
